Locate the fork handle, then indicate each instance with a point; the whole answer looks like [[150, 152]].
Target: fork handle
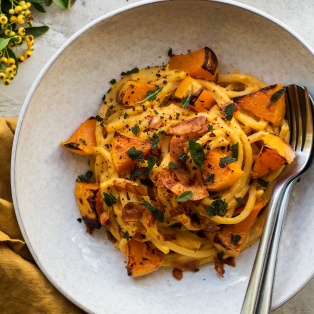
[[252, 293], [266, 289]]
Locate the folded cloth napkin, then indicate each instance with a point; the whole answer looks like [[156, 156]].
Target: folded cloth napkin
[[23, 287]]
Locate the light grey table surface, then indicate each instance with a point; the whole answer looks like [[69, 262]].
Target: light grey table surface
[[297, 15]]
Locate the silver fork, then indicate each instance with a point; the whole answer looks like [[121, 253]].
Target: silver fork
[[300, 116]]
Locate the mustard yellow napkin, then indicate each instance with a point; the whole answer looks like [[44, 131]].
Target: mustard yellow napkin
[[23, 287]]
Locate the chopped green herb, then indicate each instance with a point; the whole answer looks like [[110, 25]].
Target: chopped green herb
[[226, 161], [177, 115], [126, 235], [185, 196], [172, 165], [145, 171], [262, 182], [239, 200], [135, 154], [235, 150], [235, 238], [197, 153], [210, 178], [155, 141], [151, 161], [218, 206], [109, 199], [99, 118], [155, 111], [86, 177], [276, 95], [125, 116], [135, 129], [210, 127], [228, 111], [157, 213], [83, 141], [184, 157], [113, 81], [134, 70], [186, 100], [151, 95]]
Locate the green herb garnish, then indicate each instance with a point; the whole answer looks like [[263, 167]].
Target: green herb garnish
[[276, 95], [126, 235], [183, 157], [135, 129], [185, 196], [262, 182], [210, 178], [228, 111], [226, 161], [86, 177], [235, 238], [239, 200], [155, 141], [197, 153], [135, 154], [235, 150], [109, 199], [151, 95], [186, 100], [218, 206], [157, 213], [172, 165], [99, 118]]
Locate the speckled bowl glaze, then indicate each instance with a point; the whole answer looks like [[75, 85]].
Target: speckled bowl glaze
[[88, 269]]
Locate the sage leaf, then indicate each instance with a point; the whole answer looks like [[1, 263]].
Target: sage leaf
[[185, 196]]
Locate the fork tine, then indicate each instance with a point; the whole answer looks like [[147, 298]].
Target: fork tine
[[300, 117], [308, 139], [291, 100]]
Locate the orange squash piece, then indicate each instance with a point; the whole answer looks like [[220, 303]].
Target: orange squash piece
[[201, 100], [221, 178], [230, 239], [83, 140], [202, 64], [89, 202], [263, 105], [142, 259], [133, 92], [274, 154], [121, 144]]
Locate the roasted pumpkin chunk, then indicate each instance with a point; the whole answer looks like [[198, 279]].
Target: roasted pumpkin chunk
[[202, 64], [83, 140], [133, 93], [274, 153], [127, 151], [200, 99], [142, 259], [217, 174], [230, 239], [89, 202], [267, 103]]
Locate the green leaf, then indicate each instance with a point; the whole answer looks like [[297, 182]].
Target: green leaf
[[197, 153], [134, 70], [186, 100], [226, 161], [185, 196], [210, 178], [48, 3], [109, 199], [63, 4], [36, 31], [151, 161], [39, 7], [85, 177], [135, 129], [218, 206], [183, 157], [172, 165], [228, 111], [135, 154], [151, 95], [126, 235], [235, 238], [262, 182], [4, 42], [276, 95], [235, 150], [239, 200], [155, 141], [157, 213]]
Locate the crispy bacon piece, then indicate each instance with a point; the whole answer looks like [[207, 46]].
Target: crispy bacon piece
[[165, 178], [195, 125], [132, 212], [155, 123], [219, 266], [130, 187]]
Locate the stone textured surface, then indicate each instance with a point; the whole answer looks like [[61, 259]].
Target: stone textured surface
[[297, 15]]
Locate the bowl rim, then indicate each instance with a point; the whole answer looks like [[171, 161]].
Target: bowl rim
[[58, 53]]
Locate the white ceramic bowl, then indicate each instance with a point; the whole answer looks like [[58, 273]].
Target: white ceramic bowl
[[87, 269]]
